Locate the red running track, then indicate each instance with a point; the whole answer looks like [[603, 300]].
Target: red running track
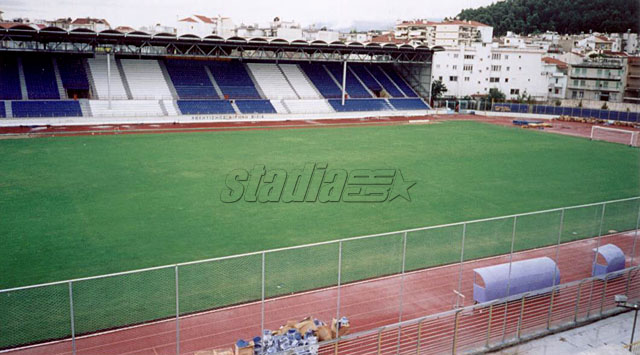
[[368, 304]]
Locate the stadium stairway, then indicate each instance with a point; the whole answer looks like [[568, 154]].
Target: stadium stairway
[[24, 95], [387, 84], [308, 106], [354, 87], [98, 67], [322, 80], [279, 106], [56, 72], [399, 81], [299, 81]]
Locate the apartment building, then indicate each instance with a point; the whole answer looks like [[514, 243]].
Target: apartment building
[[448, 33], [474, 70], [556, 72], [632, 89], [601, 77]]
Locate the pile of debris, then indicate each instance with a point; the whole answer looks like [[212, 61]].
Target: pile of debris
[[299, 338]]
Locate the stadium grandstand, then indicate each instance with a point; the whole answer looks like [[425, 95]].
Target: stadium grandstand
[[82, 74]]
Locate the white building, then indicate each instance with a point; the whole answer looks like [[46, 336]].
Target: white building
[[203, 26], [473, 70], [556, 72]]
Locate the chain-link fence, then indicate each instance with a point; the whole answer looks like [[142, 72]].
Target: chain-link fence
[[374, 280]]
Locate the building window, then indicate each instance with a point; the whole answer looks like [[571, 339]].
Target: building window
[[506, 56], [466, 78], [455, 55], [494, 80], [583, 83], [468, 56], [515, 91], [453, 78], [496, 56], [440, 78], [506, 80], [454, 67], [574, 94], [468, 67], [557, 91], [581, 94], [496, 67]]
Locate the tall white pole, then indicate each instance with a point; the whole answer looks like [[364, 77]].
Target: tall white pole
[[109, 79], [344, 80]]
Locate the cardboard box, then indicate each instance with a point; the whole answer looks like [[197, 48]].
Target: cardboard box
[[247, 350], [324, 333]]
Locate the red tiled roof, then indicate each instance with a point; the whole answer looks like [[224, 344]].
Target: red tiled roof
[[187, 19], [466, 23], [557, 62], [125, 29], [88, 21], [205, 19], [388, 38]]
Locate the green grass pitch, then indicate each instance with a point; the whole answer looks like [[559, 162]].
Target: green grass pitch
[[82, 206]]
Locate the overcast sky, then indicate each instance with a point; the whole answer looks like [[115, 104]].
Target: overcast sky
[[337, 13]]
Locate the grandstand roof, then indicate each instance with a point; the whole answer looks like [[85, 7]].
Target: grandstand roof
[[83, 40]]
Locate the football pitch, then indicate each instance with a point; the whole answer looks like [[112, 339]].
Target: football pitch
[[90, 205]]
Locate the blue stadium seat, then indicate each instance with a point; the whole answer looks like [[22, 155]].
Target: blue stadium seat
[[190, 79], [366, 77], [3, 112], [409, 104], [255, 106], [408, 91], [321, 80], [354, 89], [72, 73], [360, 105], [386, 83], [9, 79], [58, 108], [40, 77], [194, 107], [233, 80]]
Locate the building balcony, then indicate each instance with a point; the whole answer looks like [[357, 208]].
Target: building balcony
[[596, 76]]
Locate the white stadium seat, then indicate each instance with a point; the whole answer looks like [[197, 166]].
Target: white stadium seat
[[120, 108], [271, 81], [145, 79], [98, 67]]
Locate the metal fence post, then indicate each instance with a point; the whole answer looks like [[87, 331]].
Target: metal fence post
[[604, 294], [553, 294], [520, 318], [177, 314], [404, 254], [419, 337], [558, 245], [262, 297], [339, 279], [595, 256], [455, 332], [575, 314], [489, 326], [464, 235], [73, 325]]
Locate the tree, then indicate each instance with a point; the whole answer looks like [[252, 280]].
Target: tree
[[495, 95], [437, 89]]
